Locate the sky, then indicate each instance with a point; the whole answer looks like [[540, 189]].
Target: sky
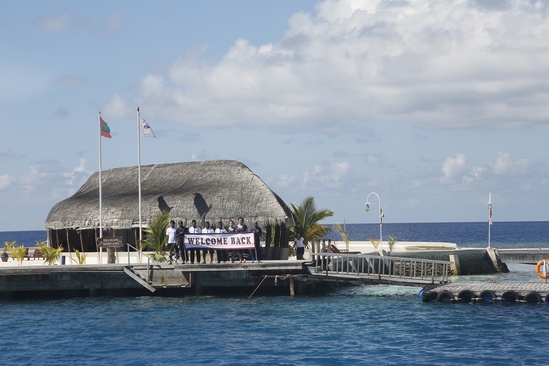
[[432, 105]]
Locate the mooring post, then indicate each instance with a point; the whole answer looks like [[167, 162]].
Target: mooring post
[[292, 290]]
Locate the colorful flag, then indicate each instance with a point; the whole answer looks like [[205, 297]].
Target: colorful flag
[[381, 216], [146, 130], [105, 130]]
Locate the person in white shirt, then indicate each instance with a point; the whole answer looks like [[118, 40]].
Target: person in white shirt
[[194, 229], [207, 230], [221, 254], [299, 245], [170, 240]]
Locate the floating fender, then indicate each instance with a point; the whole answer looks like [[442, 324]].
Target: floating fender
[[487, 297], [532, 298], [445, 297], [510, 297], [542, 269], [465, 296], [428, 295]]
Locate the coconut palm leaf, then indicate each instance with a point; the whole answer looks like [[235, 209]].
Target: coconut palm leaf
[[306, 218]]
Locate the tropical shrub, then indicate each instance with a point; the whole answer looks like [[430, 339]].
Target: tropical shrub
[[51, 255], [80, 257], [18, 253], [155, 235], [306, 218]]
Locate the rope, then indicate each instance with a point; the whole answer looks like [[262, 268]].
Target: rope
[[260, 283]]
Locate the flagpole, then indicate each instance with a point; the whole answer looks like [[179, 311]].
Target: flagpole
[[100, 183], [489, 216], [139, 175]]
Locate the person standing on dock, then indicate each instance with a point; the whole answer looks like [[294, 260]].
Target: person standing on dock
[[194, 229], [256, 229], [241, 228], [231, 229], [207, 230], [179, 237], [299, 245], [170, 240], [221, 254]]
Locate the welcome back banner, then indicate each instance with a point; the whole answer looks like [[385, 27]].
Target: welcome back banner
[[219, 241]]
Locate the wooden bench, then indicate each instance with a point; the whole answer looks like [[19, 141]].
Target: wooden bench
[[36, 254]]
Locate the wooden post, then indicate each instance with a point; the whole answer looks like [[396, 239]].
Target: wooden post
[[292, 290]]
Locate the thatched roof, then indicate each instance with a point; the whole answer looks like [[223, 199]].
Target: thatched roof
[[208, 190]]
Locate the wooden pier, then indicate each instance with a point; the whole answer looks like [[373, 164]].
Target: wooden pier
[[488, 292]]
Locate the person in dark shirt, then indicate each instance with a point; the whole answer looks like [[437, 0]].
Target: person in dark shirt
[[256, 229]]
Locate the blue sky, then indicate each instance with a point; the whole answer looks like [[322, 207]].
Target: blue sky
[[431, 104]]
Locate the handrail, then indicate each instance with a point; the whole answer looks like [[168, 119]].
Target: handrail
[[387, 267], [140, 252]]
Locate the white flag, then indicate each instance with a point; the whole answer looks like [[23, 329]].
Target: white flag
[[146, 130]]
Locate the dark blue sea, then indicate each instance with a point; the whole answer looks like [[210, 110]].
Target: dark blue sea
[[368, 325]]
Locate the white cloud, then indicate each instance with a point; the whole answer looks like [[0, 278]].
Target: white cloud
[[453, 166], [78, 175], [327, 176], [504, 164], [53, 24], [285, 180], [435, 63], [117, 107], [5, 181], [32, 179]]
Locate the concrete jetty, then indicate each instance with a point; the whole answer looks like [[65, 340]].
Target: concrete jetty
[[134, 274], [263, 278]]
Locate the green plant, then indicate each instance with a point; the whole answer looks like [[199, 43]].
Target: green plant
[[392, 242], [18, 253], [155, 235], [306, 218], [50, 254], [375, 242], [80, 257], [8, 245]]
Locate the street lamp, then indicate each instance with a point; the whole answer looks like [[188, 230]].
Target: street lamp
[[367, 208]]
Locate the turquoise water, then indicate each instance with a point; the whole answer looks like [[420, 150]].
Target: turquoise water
[[362, 326], [366, 325]]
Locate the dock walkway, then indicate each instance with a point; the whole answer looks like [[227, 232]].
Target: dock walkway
[[375, 269]]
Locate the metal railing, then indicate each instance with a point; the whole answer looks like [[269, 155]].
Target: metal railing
[[397, 269], [139, 254]]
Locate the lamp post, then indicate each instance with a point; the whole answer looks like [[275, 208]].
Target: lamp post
[[367, 208]]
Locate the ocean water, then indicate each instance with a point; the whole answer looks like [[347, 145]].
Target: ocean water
[[366, 325]]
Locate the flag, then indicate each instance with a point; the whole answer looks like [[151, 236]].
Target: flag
[[146, 130], [105, 130], [381, 216]]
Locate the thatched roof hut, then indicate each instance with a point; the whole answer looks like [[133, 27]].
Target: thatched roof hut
[[208, 190]]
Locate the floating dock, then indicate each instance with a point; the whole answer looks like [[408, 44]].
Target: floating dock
[[488, 292]]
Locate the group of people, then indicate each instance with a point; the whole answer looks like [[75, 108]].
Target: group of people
[[176, 244]]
